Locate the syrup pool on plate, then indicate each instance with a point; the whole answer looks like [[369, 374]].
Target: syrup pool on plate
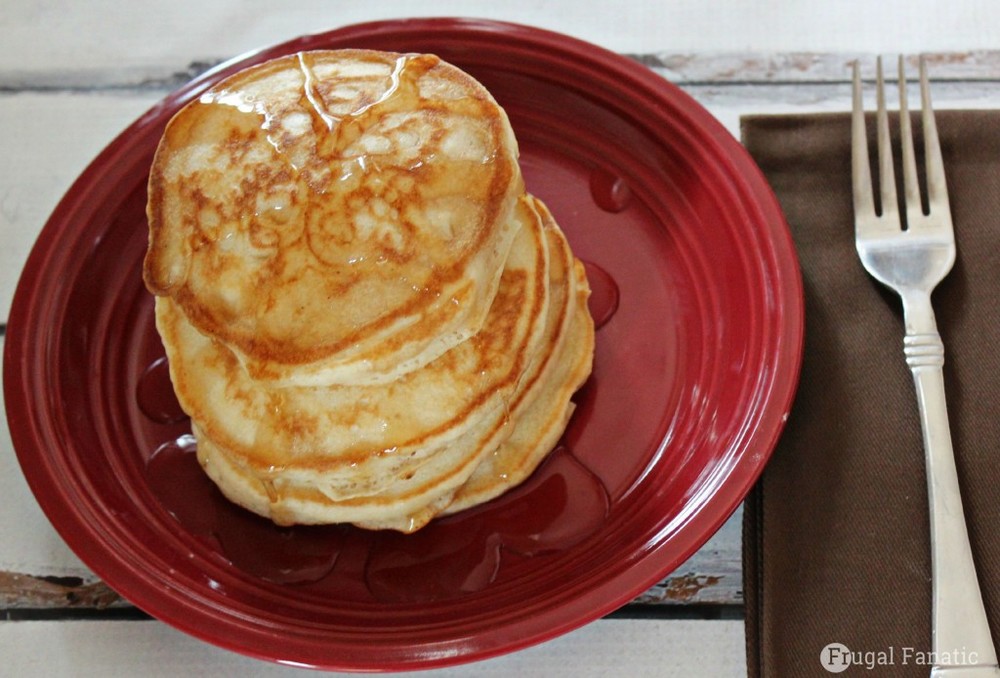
[[284, 555], [559, 506]]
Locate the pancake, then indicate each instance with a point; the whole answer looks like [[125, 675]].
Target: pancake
[[335, 216], [359, 440], [475, 468], [366, 316], [542, 409]]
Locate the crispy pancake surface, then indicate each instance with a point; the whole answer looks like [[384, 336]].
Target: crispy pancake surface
[[366, 316], [335, 216]]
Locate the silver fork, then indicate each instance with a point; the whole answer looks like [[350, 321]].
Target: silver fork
[[912, 262]]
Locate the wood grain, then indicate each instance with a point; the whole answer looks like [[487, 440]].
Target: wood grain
[[613, 647], [22, 591]]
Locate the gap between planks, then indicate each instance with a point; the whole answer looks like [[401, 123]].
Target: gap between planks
[[719, 68], [700, 596]]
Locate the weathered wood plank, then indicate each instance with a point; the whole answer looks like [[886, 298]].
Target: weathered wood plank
[[26, 592], [809, 68], [75, 38], [50, 140], [713, 575], [19, 591], [613, 647], [695, 68], [710, 577]]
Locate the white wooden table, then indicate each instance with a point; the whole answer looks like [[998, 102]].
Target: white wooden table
[[72, 75]]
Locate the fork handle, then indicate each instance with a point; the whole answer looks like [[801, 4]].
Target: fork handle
[[961, 641]]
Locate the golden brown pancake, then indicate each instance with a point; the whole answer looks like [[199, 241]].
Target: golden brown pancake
[[335, 216], [483, 463], [362, 439], [542, 408], [406, 505], [366, 317]]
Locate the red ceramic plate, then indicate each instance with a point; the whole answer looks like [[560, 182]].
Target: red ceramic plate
[[697, 296]]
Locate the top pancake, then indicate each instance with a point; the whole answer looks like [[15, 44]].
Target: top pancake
[[381, 184]]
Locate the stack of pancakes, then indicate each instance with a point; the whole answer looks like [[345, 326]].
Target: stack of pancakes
[[366, 317]]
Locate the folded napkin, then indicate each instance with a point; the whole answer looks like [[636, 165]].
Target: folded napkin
[[836, 542]]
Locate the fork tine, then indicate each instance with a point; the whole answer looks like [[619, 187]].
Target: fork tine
[[886, 173], [864, 202], [937, 189], [914, 208]]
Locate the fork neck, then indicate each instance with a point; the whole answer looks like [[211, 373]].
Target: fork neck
[[922, 344], [918, 314]]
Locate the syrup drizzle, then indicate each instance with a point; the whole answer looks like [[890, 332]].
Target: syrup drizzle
[[313, 95]]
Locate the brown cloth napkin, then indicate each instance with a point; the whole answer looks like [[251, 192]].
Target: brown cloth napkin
[[836, 531]]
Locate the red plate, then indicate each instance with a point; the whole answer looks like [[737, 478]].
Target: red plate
[[698, 297]]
